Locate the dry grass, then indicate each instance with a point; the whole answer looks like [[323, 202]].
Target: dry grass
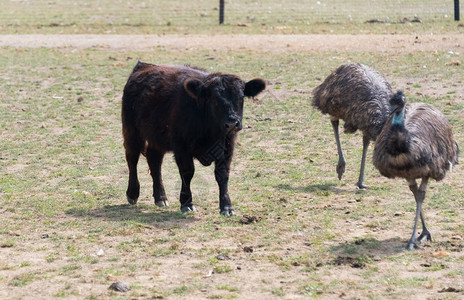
[[67, 231], [64, 177], [201, 16]]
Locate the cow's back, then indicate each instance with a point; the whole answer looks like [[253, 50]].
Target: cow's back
[[154, 100]]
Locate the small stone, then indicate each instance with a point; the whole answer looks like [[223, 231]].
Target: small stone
[[220, 257], [450, 290], [249, 219], [119, 286], [248, 249], [426, 265]]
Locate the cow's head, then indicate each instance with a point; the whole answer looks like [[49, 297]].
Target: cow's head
[[223, 96]]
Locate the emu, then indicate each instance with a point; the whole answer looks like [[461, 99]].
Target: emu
[[416, 142], [358, 95]]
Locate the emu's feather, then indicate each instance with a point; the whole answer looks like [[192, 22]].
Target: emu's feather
[[358, 95], [422, 146]]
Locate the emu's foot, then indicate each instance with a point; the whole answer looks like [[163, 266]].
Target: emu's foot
[[425, 236], [227, 211], [361, 186], [340, 169], [413, 245], [132, 200], [187, 208]]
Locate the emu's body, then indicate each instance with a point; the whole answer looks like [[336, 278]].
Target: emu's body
[[358, 95], [416, 142]]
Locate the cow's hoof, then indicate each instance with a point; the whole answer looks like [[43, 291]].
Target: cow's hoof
[[188, 208], [228, 211], [132, 200], [162, 203]]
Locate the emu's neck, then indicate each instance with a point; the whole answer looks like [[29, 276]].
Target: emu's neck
[[398, 118], [398, 142]]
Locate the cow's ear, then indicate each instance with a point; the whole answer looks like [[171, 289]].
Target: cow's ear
[[254, 87], [193, 87]]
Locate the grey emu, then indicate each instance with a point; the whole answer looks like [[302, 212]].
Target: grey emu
[[358, 95], [416, 142]]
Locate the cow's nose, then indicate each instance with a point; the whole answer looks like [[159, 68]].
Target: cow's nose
[[236, 125]]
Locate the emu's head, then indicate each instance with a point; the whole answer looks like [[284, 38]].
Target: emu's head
[[398, 100]]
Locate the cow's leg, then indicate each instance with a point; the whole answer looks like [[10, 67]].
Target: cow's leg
[[186, 170], [133, 147], [155, 159], [221, 172]]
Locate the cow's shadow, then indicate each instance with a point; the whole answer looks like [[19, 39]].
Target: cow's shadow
[[143, 214], [318, 188]]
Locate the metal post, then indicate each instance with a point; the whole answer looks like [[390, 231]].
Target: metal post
[[221, 11], [456, 10]]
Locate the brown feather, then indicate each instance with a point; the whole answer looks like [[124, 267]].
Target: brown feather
[[431, 148], [358, 95]]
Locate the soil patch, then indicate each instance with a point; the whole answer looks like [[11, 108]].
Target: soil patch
[[277, 43]]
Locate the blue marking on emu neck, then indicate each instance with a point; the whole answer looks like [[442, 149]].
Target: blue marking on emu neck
[[398, 118]]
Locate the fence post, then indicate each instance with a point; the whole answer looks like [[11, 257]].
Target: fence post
[[221, 11], [456, 10]]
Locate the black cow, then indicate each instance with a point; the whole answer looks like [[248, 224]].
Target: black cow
[[188, 111]]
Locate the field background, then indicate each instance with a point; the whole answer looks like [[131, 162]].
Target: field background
[[67, 231], [201, 16]]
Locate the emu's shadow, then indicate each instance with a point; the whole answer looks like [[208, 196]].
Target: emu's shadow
[[359, 252], [140, 213]]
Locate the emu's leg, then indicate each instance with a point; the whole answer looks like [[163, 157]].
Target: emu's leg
[[341, 158], [360, 183], [155, 159], [419, 195], [425, 235], [186, 170]]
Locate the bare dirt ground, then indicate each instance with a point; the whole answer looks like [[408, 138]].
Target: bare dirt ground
[[263, 43]]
